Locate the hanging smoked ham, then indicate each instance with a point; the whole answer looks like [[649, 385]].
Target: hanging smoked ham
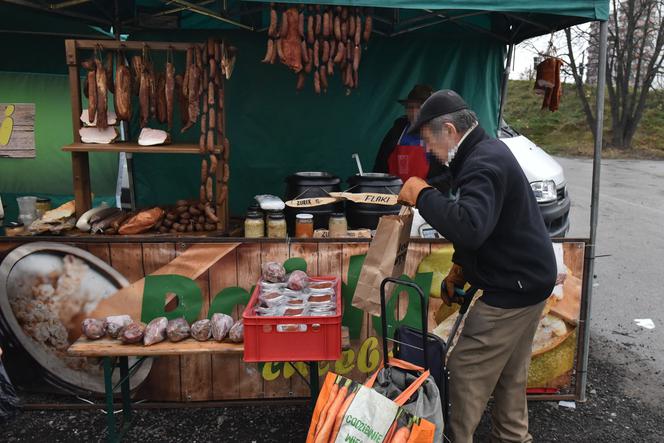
[[90, 88], [292, 43], [123, 87], [102, 95], [144, 97], [161, 98], [170, 92]]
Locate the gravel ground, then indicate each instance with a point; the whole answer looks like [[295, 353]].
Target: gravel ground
[[625, 403]]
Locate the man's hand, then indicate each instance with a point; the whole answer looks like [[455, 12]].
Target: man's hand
[[411, 189], [453, 280]]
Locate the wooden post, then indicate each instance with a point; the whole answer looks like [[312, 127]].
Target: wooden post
[[74, 87], [80, 161], [81, 173]]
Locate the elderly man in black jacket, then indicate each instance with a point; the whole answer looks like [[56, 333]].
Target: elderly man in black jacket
[[501, 246]]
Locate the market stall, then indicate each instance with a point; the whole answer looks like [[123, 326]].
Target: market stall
[[259, 109]]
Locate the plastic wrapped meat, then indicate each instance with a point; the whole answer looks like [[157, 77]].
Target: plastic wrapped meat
[[236, 334], [93, 328], [298, 280], [201, 330], [115, 323], [177, 329], [132, 333], [221, 324], [273, 272], [155, 331]]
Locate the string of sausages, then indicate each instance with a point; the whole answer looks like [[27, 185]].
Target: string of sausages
[[213, 145], [318, 40]]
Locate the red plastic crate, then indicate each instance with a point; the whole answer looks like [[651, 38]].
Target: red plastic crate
[[264, 343]]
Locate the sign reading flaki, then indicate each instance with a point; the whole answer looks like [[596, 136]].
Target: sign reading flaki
[[17, 130]]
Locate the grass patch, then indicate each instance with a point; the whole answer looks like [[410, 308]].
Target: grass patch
[[566, 132]]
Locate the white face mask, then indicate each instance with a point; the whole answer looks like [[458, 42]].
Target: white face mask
[[452, 152]]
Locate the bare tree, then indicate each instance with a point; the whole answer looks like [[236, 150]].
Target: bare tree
[[634, 60], [575, 70]]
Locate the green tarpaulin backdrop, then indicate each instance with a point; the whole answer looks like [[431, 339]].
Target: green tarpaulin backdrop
[[50, 171], [274, 130]]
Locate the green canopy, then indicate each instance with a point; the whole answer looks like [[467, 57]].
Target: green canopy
[[274, 130], [590, 9], [509, 21]]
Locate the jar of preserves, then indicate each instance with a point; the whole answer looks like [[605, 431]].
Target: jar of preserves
[[338, 226], [255, 207], [304, 225], [13, 229], [42, 205], [254, 226], [276, 225]]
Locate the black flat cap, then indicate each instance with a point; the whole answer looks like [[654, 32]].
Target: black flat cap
[[440, 103]]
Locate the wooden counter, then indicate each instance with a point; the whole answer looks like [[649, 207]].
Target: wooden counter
[[109, 347], [219, 372]]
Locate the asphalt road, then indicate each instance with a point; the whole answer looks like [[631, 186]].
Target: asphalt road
[[629, 267]]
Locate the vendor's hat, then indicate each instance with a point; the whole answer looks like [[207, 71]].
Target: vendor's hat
[[418, 94], [440, 103]]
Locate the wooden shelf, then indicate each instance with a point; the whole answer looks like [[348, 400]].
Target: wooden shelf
[[108, 347], [79, 151], [133, 147]]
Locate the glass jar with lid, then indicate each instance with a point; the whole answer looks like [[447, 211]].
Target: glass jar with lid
[[254, 225], [338, 226], [304, 225], [276, 225], [42, 205], [13, 229], [255, 207]]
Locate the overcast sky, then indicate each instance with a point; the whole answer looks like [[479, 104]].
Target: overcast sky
[[526, 50], [523, 56], [524, 53]]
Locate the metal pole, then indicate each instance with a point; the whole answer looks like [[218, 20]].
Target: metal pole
[[506, 77], [313, 383], [110, 412], [207, 12], [594, 208]]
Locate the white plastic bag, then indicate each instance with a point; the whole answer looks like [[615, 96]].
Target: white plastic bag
[[270, 202]]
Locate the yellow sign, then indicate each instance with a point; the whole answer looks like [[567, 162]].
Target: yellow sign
[[17, 130]]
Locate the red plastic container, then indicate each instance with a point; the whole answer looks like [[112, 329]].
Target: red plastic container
[[314, 338]]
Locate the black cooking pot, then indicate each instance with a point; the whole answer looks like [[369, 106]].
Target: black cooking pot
[[362, 215], [311, 185]]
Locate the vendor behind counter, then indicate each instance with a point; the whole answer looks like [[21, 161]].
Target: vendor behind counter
[[404, 155]]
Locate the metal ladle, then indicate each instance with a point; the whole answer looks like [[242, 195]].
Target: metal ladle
[[359, 164]]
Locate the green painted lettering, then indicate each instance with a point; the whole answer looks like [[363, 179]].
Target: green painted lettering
[[157, 287]]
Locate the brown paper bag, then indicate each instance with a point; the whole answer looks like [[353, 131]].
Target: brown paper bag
[[386, 258]]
